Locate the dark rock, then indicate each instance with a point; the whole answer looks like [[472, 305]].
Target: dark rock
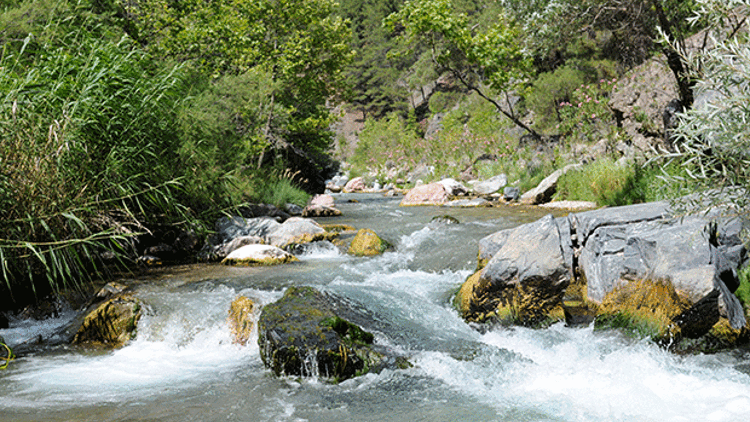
[[444, 219], [511, 193], [301, 335], [111, 323]]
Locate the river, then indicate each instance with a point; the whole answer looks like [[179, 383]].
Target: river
[[183, 366]]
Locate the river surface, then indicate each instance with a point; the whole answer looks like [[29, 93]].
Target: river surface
[[183, 366]]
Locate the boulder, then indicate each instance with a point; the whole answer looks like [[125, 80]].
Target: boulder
[[111, 323], [240, 319], [355, 185], [570, 205], [367, 243], [453, 187], [302, 335], [524, 281], [252, 255], [321, 206], [297, 230], [626, 258], [322, 199], [491, 185], [228, 228], [320, 211], [547, 187], [430, 194], [511, 193]]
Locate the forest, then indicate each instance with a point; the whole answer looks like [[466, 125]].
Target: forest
[[124, 120]]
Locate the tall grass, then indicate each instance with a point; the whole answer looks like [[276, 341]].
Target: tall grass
[[88, 142]]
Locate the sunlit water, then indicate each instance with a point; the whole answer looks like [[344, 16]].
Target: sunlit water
[[183, 366]]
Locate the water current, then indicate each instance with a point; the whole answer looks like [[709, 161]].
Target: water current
[[183, 366]]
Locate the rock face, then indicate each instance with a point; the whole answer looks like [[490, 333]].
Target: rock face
[[367, 243], [112, 323], [301, 335], [252, 255], [690, 262], [430, 194], [355, 185], [240, 319]]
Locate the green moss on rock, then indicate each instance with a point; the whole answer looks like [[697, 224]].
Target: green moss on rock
[[368, 243], [300, 334]]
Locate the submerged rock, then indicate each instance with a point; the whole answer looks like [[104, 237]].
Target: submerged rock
[[301, 335]]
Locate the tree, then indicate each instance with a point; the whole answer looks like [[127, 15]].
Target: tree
[[713, 138], [478, 57], [302, 43]]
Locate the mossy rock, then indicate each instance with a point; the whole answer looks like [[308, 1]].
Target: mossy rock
[[112, 323], [513, 306], [301, 335], [338, 228], [368, 243], [241, 319]]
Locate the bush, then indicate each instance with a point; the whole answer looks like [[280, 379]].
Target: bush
[[549, 91]]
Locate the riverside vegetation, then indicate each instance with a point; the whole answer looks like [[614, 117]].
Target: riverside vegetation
[[122, 122]]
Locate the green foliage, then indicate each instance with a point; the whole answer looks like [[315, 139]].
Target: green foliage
[[302, 44], [550, 91], [743, 291], [587, 116], [88, 146], [604, 181], [387, 139], [475, 55], [713, 139]]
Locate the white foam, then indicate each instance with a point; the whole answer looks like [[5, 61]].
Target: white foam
[[578, 375]]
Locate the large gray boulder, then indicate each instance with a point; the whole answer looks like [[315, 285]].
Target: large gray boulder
[[525, 279], [608, 249]]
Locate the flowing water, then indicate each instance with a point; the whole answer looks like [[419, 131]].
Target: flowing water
[[183, 366]]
